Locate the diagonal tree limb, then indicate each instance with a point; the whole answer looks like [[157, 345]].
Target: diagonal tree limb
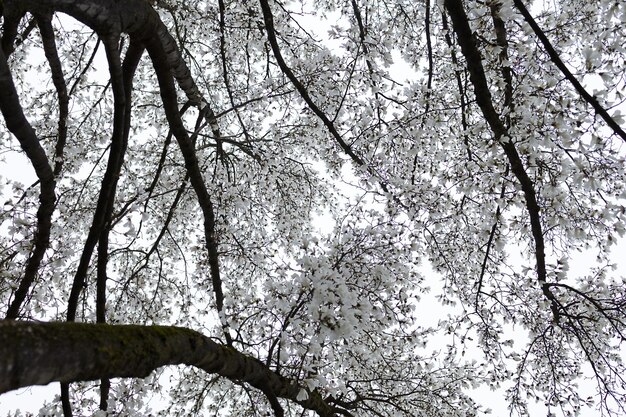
[[330, 126], [158, 55], [271, 36], [554, 56], [467, 41]]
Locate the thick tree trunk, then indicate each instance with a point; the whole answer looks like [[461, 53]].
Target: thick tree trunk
[[39, 353]]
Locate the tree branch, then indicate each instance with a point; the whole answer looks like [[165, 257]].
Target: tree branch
[[271, 37], [121, 81], [158, 54], [554, 56], [18, 125], [473, 59], [39, 353], [50, 49]]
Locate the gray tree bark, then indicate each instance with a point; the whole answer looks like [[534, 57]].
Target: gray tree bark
[[39, 353]]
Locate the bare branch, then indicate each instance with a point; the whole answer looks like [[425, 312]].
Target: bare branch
[[38, 353]]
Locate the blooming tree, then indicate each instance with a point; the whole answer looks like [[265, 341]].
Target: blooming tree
[[257, 190]]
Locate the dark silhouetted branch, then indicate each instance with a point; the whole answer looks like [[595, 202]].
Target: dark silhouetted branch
[[18, 125], [554, 56], [467, 41], [39, 353]]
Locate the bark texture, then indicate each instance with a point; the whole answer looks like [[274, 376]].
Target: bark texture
[[34, 353]]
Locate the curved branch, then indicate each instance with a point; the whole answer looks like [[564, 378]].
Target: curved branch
[[50, 49], [18, 125], [38, 353], [158, 55], [121, 79]]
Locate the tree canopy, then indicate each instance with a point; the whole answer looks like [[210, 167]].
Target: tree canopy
[[314, 207]]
